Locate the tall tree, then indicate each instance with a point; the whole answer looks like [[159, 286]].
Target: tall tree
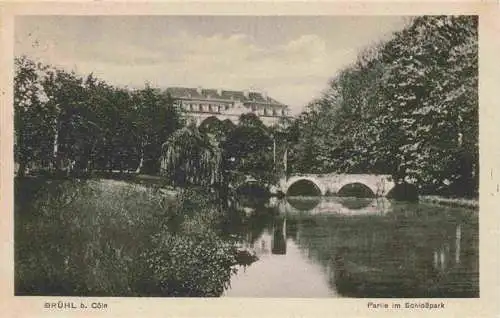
[[156, 120], [32, 119], [249, 149], [192, 158], [77, 124], [407, 107]]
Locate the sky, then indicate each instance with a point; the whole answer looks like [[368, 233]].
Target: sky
[[290, 57]]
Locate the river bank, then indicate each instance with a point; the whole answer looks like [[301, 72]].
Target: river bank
[[114, 238], [451, 202]]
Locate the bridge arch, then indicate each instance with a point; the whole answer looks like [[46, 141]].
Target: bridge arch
[[358, 189], [378, 184], [313, 184]]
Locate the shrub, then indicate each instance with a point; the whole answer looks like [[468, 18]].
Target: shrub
[[111, 238], [197, 265]]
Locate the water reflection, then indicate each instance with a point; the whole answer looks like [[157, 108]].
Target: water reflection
[[358, 248], [344, 205], [299, 203], [279, 237], [446, 256]]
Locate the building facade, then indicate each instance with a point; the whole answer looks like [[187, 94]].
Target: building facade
[[199, 104]]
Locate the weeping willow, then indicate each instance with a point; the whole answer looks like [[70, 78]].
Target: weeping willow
[[192, 158]]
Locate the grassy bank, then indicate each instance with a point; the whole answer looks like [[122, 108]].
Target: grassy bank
[[452, 202], [113, 238]]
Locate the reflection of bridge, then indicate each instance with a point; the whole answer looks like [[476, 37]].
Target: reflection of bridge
[[333, 205], [333, 183], [273, 239]]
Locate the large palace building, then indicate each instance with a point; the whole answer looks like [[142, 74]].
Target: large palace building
[[199, 104]]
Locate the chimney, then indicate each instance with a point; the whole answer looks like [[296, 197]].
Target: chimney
[[264, 95], [219, 91], [198, 90], [246, 93]]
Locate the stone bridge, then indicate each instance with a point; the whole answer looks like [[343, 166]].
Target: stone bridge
[[332, 183]]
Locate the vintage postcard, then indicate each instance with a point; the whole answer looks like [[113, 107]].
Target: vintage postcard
[[249, 159]]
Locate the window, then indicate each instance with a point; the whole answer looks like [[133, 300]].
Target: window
[[274, 112], [200, 107]]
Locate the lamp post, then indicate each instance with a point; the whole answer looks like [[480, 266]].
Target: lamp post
[[285, 159], [274, 151]]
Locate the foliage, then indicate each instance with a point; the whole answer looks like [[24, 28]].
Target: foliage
[[219, 129], [110, 238], [65, 122], [248, 149], [218, 153], [407, 107], [191, 266], [156, 121], [192, 158], [32, 121], [69, 124]]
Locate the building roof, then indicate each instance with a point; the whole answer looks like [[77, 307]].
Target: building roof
[[187, 92]]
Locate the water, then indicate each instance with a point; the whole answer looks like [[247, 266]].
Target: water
[[349, 247]]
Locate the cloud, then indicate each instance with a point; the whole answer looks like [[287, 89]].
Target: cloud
[[293, 71], [235, 62]]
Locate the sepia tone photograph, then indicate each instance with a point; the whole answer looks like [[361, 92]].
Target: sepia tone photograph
[[246, 156]]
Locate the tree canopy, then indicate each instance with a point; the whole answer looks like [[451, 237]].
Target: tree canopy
[[66, 122], [407, 107]]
